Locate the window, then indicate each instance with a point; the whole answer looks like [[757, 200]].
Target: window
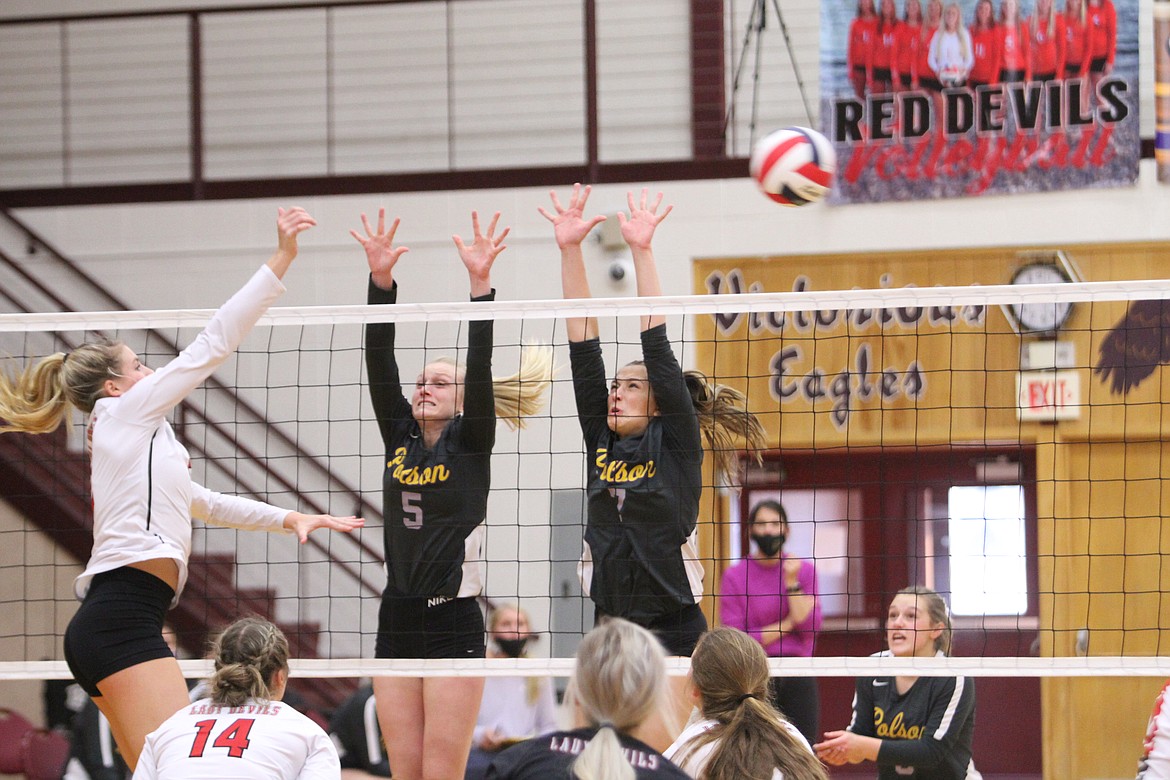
[[987, 550]]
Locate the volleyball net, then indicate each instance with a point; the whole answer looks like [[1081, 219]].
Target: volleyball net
[[917, 436]]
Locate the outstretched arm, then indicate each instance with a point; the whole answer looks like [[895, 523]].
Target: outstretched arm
[[638, 231], [239, 512], [289, 225], [570, 228], [479, 428], [481, 253], [385, 385], [302, 525]]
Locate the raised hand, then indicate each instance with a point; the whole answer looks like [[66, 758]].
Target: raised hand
[[638, 228], [479, 255], [380, 250], [291, 223], [569, 224]]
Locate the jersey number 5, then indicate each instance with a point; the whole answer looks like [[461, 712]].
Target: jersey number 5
[[234, 737], [411, 508]]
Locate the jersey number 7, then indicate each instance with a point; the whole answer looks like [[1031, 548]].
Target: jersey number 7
[[234, 737]]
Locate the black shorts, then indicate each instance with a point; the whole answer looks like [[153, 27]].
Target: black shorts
[[1097, 64], [677, 632], [1011, 76], [930, 84], [119, 625], [413, 627]]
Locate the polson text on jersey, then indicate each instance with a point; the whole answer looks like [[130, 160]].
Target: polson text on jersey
[[620, 471], [414, 475]]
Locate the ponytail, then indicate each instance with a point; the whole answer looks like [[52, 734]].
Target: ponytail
[[603, 758], [750, 738], [37, 399], [521, 394], [725, 421]]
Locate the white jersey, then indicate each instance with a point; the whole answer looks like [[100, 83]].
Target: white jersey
[[257, 741], [140, 475], [1155, 762], [695, 761]]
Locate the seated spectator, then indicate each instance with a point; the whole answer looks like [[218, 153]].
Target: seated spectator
[[513, 708]]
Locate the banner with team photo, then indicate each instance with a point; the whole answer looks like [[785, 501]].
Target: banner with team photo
[[923, 99]]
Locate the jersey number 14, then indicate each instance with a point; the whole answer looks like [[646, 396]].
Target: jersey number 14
[[234, 737]]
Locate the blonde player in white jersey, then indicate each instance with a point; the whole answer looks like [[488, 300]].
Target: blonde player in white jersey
[[242, 730], [144, 498]]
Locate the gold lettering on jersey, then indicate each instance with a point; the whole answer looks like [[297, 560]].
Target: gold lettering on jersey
[[619, 471], [896, 728], [415, 475]]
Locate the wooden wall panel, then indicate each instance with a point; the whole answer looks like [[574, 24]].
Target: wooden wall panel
[[1102, 497]]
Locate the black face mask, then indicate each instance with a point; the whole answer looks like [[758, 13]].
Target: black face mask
[[769, 545], [513, 648]]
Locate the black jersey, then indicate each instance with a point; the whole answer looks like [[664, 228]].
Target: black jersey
[[643, 491], [550, 757], [926, 733], [354, 728], [432, 499]]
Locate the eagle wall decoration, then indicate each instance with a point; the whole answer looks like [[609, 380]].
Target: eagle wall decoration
[[1135, 347]]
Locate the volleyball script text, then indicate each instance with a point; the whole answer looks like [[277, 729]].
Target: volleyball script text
[[860, 380]]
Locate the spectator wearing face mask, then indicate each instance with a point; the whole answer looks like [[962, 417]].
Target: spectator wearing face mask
[[513, 708], [772, 597]]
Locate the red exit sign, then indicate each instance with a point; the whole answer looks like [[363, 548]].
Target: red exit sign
[[1048, 395]]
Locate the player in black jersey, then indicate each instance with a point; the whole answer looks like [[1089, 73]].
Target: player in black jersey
[[917, 727], [618, 684], [434, 491], [644, 447]]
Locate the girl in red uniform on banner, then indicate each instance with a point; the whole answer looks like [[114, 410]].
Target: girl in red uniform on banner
[[886, 38], [1076, 53], [1101, 21], [1045, 43], [906, 45], [1013, 44], [985, 45], [859, 55]]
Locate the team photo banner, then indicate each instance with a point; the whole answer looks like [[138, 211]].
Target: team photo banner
[[923, 99]]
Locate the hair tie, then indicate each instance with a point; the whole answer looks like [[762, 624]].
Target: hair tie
[[605, 724], [744, 698]]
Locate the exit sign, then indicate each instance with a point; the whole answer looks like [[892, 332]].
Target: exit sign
[[1048, 395]]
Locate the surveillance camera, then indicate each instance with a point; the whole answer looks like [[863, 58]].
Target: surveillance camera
[[617, 270]]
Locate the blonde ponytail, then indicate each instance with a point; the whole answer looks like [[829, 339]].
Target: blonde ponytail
[[37, 399], [521, 394]]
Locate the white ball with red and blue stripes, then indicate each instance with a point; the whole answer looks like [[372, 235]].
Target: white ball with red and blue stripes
[[794, 166]]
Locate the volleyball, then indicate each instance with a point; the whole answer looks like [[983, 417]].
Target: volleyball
[[794, 166]]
